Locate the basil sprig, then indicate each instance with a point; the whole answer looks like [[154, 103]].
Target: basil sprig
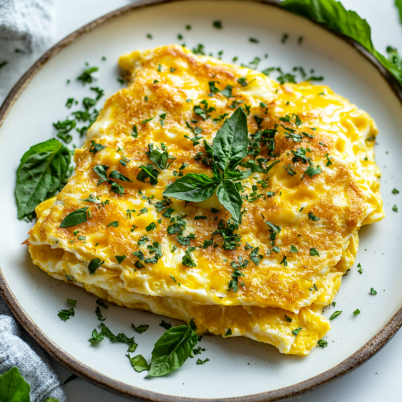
[[229, 148], [172, 349], [43, 171], [334, 16]]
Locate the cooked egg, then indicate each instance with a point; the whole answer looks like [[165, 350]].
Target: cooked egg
[[317, 213]]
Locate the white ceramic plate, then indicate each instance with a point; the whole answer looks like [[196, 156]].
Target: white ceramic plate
[[238, 367]]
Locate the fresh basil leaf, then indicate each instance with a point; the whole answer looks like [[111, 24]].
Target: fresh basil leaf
[[138, 363], [94, 265], [92, 199], [117, 175], [230, 198], [116, 188], [13, 387], [74, 218], [333, 15], [159, 158], [192, 187], [141, 328], [398, 4], [239, 175], [42, 172], [255, 257], [101, 171], [150, 172], [310, 171], [231, 141], [171, 350], [96, 147]]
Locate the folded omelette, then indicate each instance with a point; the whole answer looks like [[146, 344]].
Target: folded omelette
[[112, 231]]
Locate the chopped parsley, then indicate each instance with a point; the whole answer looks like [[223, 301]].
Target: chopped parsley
[[335, 314]]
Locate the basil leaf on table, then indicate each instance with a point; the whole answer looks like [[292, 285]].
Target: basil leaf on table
[[398, 4], [138, 363], [171, 350], [42, 172], [333, 15], [231, 141], [74, 218], [230, 198], [192, 187], [13, 387]]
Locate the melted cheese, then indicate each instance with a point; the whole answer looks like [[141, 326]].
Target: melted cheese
[[345, 195]]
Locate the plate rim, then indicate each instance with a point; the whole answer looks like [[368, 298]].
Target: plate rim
[[376, 343]]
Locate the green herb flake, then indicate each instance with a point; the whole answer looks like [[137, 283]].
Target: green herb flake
[[312, 217], [335, 314], [86, 77], [287, 318], [310, 171], [151, 226], [138, 363], [293, 249], [94, 265], [141, 328], [114, 224], [322, 344], [356, 312], [296, 331], [199, 361], [120, 258], [66, 314], [102, 303], [74, 218], [373, 292]]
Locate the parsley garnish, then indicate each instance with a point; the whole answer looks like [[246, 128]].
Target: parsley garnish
[[86, 76], [335, 314]]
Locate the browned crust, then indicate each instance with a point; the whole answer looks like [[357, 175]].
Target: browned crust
[[361, 356]]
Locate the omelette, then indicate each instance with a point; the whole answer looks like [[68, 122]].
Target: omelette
[[308, 183]]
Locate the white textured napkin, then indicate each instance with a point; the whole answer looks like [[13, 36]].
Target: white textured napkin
[[26, 31]]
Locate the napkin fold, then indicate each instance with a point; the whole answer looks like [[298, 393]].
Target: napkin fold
[[18, 349], [26, 31]]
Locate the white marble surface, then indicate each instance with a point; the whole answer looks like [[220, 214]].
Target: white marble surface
[[379, 378]]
